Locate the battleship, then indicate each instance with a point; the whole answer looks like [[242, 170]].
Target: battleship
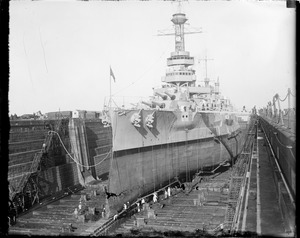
[[182, 129], [184, 161]]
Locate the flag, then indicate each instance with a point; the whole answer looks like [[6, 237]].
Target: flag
[[112, 74]]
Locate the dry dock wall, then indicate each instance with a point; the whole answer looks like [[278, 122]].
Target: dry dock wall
[[283, 142], [57, 171], [92, 145]]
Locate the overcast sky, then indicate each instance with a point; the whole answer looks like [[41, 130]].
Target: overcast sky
[[61, 51]]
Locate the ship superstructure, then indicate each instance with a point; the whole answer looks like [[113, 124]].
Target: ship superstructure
[[180, 90]]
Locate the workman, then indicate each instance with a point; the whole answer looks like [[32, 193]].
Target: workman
[[103, 212], [76, 212], [44, 147], [138, 206], [169, 191], [166, 194], [143, 202], [155, 197]]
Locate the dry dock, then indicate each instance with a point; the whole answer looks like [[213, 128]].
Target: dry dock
[[255, 196]]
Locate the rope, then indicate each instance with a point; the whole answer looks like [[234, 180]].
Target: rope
[[161, 169], [153, 174], [284, 98], [117, 166], [74, 159], [292, 94], [287, 146], [292, 153], [186, 166], [168, 148]]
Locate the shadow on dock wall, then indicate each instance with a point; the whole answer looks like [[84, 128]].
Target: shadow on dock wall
[[57, 178], [99, 145]]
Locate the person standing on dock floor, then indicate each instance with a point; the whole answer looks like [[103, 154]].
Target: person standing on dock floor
[[44, 148], [169, 191], [143, 202], [154, 197], [76, 212], [138, 206], [103, 212], [201, 197], [166, 194]]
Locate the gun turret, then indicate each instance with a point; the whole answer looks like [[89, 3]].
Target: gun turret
[[172, 96], [148, 104], [163, 96], [160, 104], [154, 104]]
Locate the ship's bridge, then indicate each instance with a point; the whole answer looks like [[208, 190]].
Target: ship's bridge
[[180, 58], [179, 77]]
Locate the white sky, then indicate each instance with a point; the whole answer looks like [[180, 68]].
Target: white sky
[[60, 51]]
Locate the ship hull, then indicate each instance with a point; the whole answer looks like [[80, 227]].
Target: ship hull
[[146, 161]]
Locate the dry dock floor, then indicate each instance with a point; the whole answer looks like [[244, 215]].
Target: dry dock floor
[[54, 216]]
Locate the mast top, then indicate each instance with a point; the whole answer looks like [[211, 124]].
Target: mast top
[[179, 18]]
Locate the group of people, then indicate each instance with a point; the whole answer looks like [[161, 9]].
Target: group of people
[[141, 204]]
